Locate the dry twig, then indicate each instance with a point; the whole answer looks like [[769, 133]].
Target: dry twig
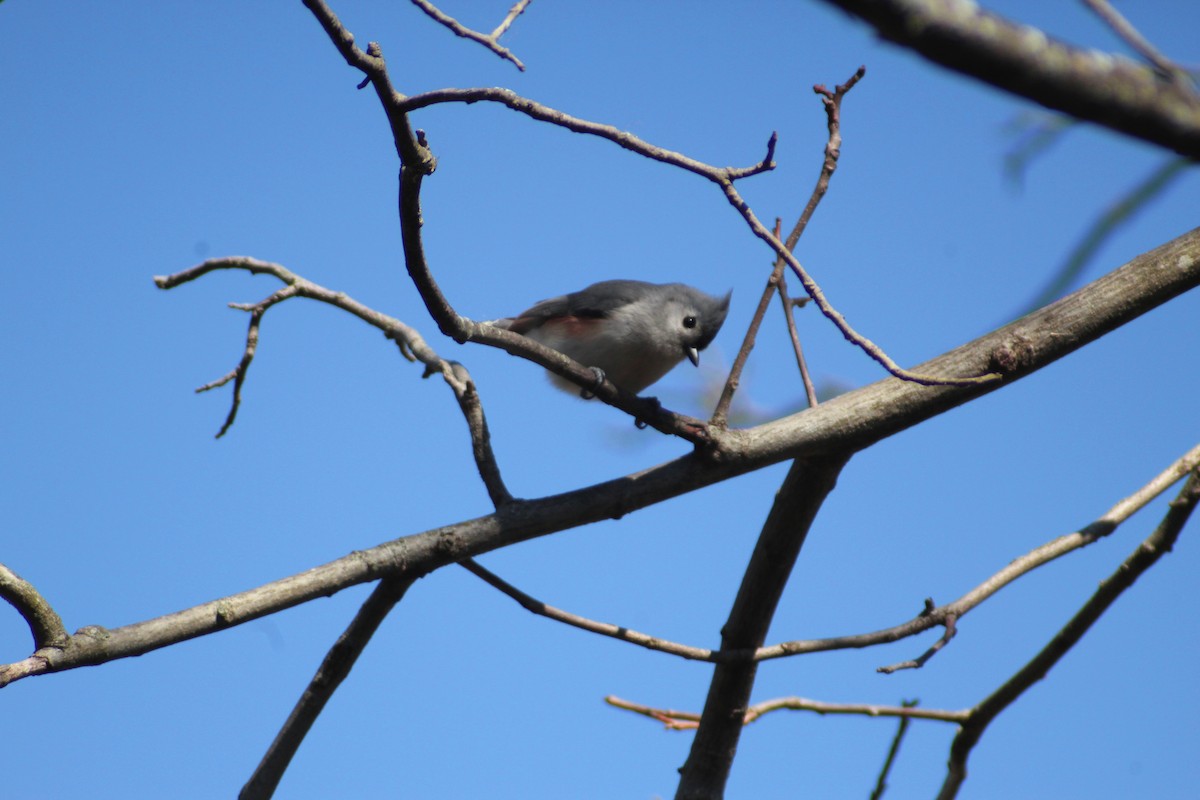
[[833, 104], [488, 40], [412, 345], [1139, 561], [688, 720], [724, 177]]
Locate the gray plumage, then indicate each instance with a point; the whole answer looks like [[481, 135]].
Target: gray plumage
[[634, 331]]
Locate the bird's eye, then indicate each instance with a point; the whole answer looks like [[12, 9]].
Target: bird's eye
[[689, 322]]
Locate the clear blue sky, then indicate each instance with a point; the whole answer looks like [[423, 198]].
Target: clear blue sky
[[136, 140]]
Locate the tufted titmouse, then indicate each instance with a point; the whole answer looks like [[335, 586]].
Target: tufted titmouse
[[631, 332]]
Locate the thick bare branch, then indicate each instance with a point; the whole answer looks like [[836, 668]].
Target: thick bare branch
[[845, 424], [1098, 87], [413, 153], [808, 483], [45, 625]]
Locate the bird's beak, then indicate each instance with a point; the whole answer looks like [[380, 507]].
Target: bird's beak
[[693, 355]]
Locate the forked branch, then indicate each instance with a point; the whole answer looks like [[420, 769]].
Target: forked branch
[[832, 102], [1145, 556], [489, 40], [410, 342], [723, 177]]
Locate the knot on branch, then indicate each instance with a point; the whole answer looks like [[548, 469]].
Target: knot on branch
[[1016, 354]]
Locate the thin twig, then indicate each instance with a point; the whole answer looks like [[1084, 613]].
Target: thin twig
[[930, 617], [902, 728], [688, 720], [832, 102], [724, 177], [488, 41], [950, 625], [333, 670], [536, 606], [1140, 44], [629, 141], [674, 720], [1142, 559], [517, 10], [720, 415], [789, 306], [407, 338], [238, 373], [833, 315]]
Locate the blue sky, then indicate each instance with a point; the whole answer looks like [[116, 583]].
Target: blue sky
[[138, 140]]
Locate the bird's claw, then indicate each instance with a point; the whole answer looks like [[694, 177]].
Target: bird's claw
[[588, 394], [640, 423]]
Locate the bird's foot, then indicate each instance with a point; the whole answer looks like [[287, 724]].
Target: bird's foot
[[588, 394]]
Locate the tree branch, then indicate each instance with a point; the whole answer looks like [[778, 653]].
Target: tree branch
[[833, 146], [487, 40], [412, 153], [789, 305], [333, 670], [416, 162], [45, 625], [687, 720], [951, 612], [408, 339], [536, 606], [1110, 91], [808, 483], [628, 141], [901, 729], [724, 178], [1143, 558], [1124, 29], [932, 616], [845, 424], [517, 10], [1014, 350]]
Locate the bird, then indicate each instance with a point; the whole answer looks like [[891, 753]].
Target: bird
[[628, 331]]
